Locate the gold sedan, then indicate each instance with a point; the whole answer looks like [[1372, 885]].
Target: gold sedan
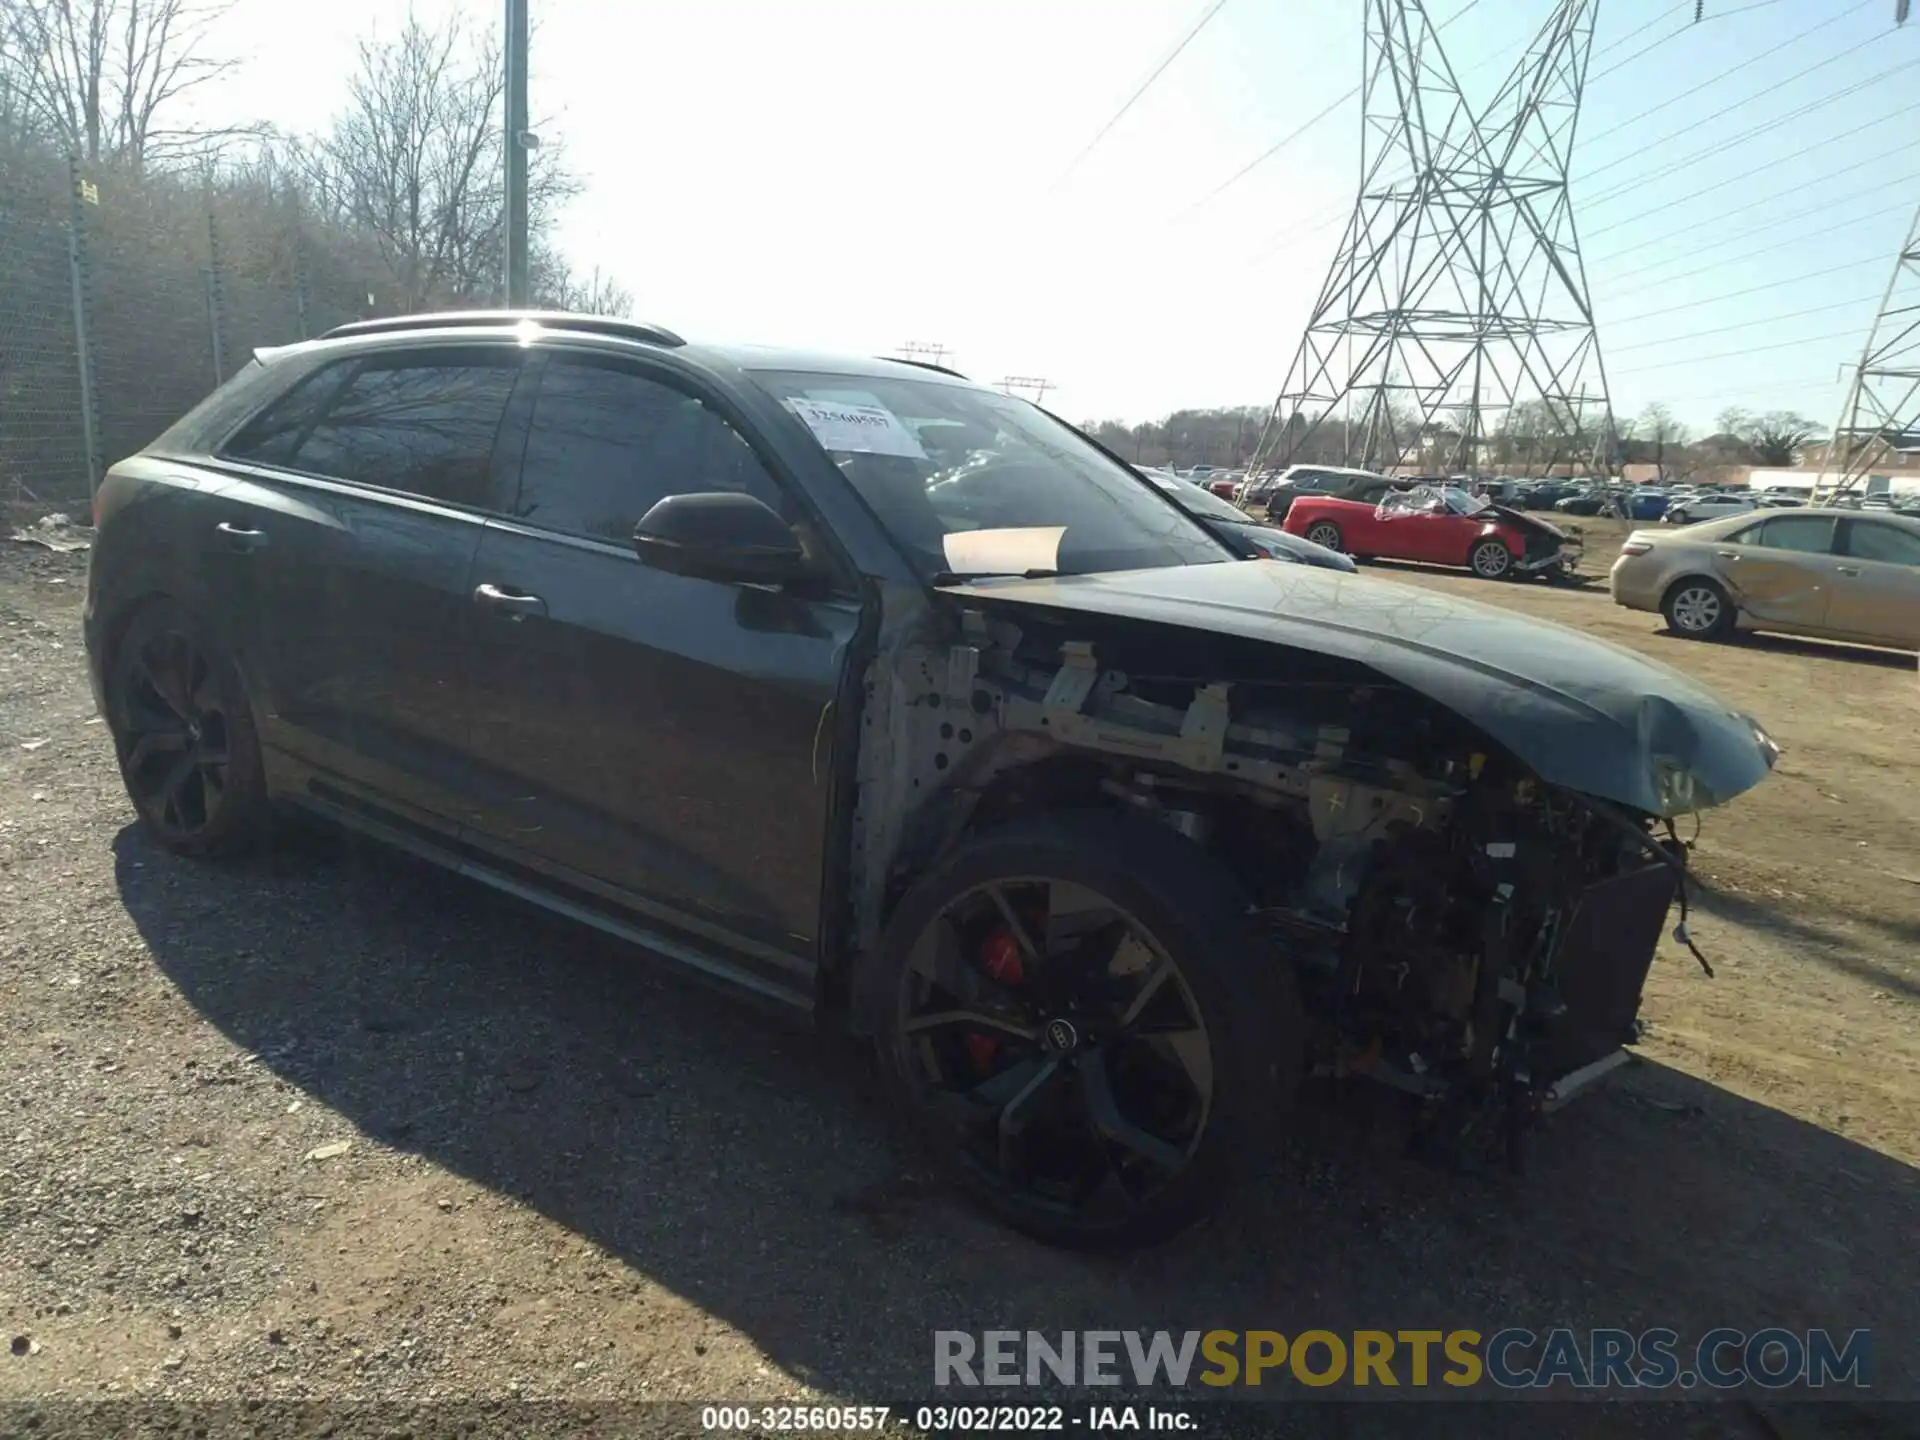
[[1837, 574]]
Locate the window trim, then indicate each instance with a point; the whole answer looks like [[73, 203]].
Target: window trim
[[500, 468], [840, 572]]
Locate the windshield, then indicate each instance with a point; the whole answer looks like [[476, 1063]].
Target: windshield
[[1431, 500], [1195, 501], [970, 482]]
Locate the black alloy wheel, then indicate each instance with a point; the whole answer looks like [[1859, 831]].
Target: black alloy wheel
[[1070, 1058], [185, 741]]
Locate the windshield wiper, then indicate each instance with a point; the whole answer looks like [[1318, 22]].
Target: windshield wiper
[[956, 577]]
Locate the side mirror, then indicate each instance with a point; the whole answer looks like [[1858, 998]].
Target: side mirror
[[720, 536]]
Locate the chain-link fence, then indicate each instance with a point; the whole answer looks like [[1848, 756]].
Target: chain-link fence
[[43, 449], [114, 325]]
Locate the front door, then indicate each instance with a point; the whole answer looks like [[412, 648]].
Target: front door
[[1780, 571], [365, 493], [1876, 583], [655, 735]]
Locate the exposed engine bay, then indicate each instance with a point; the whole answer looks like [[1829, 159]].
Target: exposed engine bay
[[1460, 929]]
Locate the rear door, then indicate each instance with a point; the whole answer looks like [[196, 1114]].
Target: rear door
[[1876, 583], [658, 737], [1781, 570], [357, 505]]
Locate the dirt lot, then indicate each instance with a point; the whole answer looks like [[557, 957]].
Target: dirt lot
[[328, 1123]]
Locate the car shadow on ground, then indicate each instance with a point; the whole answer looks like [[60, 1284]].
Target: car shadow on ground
[[1388, 567], [1819, 931], [1810, 649], [749, 1169]]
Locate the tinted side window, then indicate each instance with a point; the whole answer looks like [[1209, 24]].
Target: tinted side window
[[275, 433], [1810, 534], [423, 428], [606, 443], [1887, 543]]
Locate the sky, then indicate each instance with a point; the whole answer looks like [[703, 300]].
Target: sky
[[858, 174]]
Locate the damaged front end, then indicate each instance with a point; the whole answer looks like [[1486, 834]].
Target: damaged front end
[[1466, 925]]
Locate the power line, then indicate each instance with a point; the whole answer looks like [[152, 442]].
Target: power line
[[1720, 146], [1696, 20], [1740, 325], [1826, 204], [1731, 70], [1744, 350], [1145, 85], [1773, 164], [1778, 194], [1295, 134], [1749, 390], [1758, 289]]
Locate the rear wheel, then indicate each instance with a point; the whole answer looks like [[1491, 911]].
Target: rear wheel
[[1084, 1028], [1698, 609], [184, 735], [1325, 532], [1491, 560]]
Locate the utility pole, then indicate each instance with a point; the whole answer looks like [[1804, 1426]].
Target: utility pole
[[1882, 410], [1458, 290], [1023, 383], [915, 350], [519, 140]]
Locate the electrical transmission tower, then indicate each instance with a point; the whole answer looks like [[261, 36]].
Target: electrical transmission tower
[[1025, 383], [1882, 410], [1455, 318]]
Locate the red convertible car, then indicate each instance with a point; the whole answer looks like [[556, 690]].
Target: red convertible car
[[1442, 525]]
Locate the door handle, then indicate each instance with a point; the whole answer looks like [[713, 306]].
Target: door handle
[[1728, 554], [513, 603], [241, 539], [1848, 569]]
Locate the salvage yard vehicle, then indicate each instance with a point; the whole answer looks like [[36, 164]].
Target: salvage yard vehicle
[[1695, 509], [1833, 574], [1441, 525], [1247, 537], [1274, 496], [886, 697]]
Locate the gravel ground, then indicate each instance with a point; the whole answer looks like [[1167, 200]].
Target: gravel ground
[[330, 1125]]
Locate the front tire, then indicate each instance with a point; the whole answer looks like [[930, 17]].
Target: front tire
[[1698, 609], [1326, 533], [1491, 560], [184, 735], [1084, 1028]]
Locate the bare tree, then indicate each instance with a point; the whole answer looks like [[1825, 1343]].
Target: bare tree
[[1776, 437], [1664, 436], [415, 161], [101, 78], [594, 294]]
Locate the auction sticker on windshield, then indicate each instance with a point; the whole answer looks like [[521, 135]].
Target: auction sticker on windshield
[[862, 426]]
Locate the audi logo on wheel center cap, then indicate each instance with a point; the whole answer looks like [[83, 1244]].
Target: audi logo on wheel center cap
[[1061, 1035]]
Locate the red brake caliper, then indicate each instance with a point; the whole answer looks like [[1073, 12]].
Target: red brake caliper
[[1000, 958]]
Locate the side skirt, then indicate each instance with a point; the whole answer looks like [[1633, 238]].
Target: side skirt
[[792, 994]]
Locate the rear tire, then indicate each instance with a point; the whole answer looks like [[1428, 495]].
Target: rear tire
[[1491, 560], [1326, 533], [184, 735], [1131, 1055], [1698, 609]]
